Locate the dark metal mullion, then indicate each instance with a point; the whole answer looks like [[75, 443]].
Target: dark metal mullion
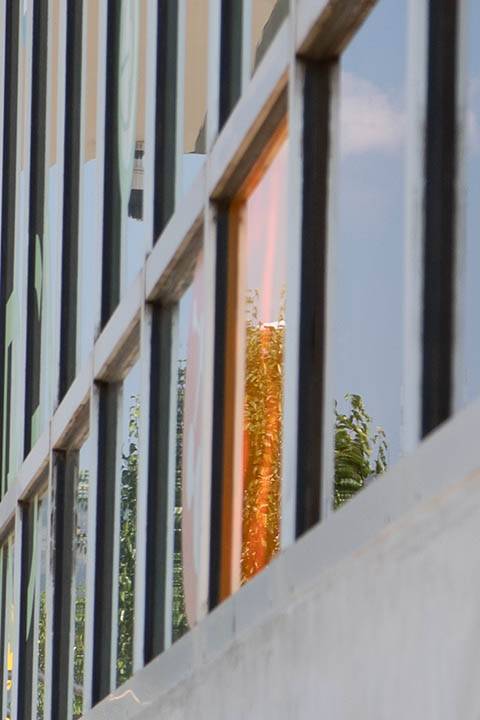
[[157, 506], [36, 213], [64, 477], [68, 330], [316, 154], [25, 653], [218, 408], [165, 115], [8, 209], [440, 214], [111, 258], [104, 545], [230, 57]]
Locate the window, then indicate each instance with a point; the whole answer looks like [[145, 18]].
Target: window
[[369, 279], [257, 296]]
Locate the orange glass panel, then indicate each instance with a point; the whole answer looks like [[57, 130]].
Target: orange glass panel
[[264, 292], [254, 374]]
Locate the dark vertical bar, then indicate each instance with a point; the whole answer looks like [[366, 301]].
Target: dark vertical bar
[[8, 218], [25, 655], [440, 214], [107, 451], [66, 465], [218, 408], [36, 213], [316, 152], [68, 328], [111, 188], [165, 115], [230, 57], [160, 379]]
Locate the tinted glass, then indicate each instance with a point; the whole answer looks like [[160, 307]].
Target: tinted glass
[[267, 17], [88, 256], [469, 368], [130, 415], [195, 98], [262, 298], [254, 376], [80, 577], [132, 148], [186, 493], [369, 255], [9, 629]]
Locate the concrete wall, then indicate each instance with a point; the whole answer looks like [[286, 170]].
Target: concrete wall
[[368, 616]]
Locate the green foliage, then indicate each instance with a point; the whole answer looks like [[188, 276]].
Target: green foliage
[[179, 617], [128, 529], [42, 627], [354, 448], [264, 346], [79, 653]]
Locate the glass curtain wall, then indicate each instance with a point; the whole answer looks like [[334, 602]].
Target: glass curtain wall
[[129, 429], [88, 233], [267, 17], [257, 296], [469, 375], [185, 495], [369, 280], [195, 91], [82, 482], [8, 626]]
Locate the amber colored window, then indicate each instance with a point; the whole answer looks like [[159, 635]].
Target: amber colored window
[[254, 372]]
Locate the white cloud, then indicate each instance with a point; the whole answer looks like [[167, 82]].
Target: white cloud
[[369, 119]]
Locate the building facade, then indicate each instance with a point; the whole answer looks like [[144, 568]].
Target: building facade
[[240, 358]]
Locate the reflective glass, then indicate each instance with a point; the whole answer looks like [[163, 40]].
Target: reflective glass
[[261, 313], [469, 376], [80, 577], [369, 276], [9, 629], [51, 245], [41, 604], [128, 521], [88, 211], [267, 17], [252, 482], [131, 133], [195, 98], [16, 291], [188, 456]]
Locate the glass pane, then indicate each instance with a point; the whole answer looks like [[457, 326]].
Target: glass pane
[[267, 17], [51, 241], [128, 522], [131, 146], [370, 267], [470, 350], [195, 104], [186, 526], [41, 603], [16, 285], [80, 578], [262, 297], [87, 253], [8, 649]]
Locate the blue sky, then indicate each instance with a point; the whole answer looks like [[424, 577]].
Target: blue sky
[[370, 264], [471, 375], [369, 272]]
